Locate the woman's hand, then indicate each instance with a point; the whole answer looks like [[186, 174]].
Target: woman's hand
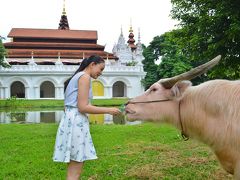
[[114, 111]]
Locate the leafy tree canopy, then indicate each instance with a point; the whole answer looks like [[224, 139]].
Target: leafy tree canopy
[[206, 29], [150, 67], [210, 28], [2, 54], [166, 49], [172, 60]]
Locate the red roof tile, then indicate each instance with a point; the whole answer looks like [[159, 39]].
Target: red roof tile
[[53, 33], [70, 54], [46, 45]]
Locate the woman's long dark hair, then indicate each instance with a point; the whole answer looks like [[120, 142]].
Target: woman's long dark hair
[[94, 58]]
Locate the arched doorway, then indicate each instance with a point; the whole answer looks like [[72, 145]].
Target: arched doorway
[[97, 88], [119, 89], [17, 89], [47, 90]]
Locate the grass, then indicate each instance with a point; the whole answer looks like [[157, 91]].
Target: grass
[[28, 103], [11, 103], [145, 151]]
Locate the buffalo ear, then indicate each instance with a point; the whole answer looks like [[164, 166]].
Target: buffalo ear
[[179, 88]]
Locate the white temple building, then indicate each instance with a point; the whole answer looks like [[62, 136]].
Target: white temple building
[[43, 59]]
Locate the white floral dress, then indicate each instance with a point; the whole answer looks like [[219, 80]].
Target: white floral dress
[[73, 140]]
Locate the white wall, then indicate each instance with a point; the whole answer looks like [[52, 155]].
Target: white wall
[[33, 76]]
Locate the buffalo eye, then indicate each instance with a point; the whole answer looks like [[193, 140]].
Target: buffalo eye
[[154, 89]]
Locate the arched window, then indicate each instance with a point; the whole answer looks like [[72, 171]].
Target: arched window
[[47, 90], [119, 89], [18, 89], [97, 88]]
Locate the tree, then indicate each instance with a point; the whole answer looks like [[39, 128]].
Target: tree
[[173, 62], [150, 67], [2, 54], [210, 28]]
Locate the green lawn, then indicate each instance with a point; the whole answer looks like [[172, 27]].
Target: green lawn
[[146, 151], [50, 103]]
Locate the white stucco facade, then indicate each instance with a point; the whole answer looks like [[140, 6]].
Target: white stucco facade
[[32, 76]]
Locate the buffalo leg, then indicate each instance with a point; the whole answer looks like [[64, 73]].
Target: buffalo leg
[[237, 171]]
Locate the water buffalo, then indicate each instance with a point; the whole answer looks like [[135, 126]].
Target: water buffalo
[[209, 112]]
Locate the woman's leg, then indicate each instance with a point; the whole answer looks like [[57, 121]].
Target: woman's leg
[[74, 170]]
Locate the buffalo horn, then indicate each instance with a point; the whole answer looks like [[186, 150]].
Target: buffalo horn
[[169, 82]]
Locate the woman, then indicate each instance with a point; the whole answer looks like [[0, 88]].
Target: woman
[[73, 141]]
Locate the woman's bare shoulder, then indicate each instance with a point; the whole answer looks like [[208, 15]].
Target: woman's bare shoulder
[[84, 78]]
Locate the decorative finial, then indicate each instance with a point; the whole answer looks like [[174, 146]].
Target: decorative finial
[[63, 25], [107, 60], [130, 30], [31, 62], [64, 9], [32, 54], [59, 62], [131, 39], [139, 37]]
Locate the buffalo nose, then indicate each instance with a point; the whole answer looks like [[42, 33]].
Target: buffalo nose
[[128, 102]]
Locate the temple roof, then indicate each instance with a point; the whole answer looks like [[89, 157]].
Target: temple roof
[[52, 33], [68, 54], [56, 45], [49, 43]]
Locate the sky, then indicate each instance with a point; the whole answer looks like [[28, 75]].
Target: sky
[[107, 17]]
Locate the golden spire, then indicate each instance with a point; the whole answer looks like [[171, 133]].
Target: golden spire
[[131, 30], [131, 39], [63, 25], [64, 10]]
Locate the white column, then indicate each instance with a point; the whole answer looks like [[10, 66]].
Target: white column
[[61, 91], [1, 93], [6, 92], [31, 92], [56, 92], [27, 93], [129, 92], [36, 92], [108, 91]]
